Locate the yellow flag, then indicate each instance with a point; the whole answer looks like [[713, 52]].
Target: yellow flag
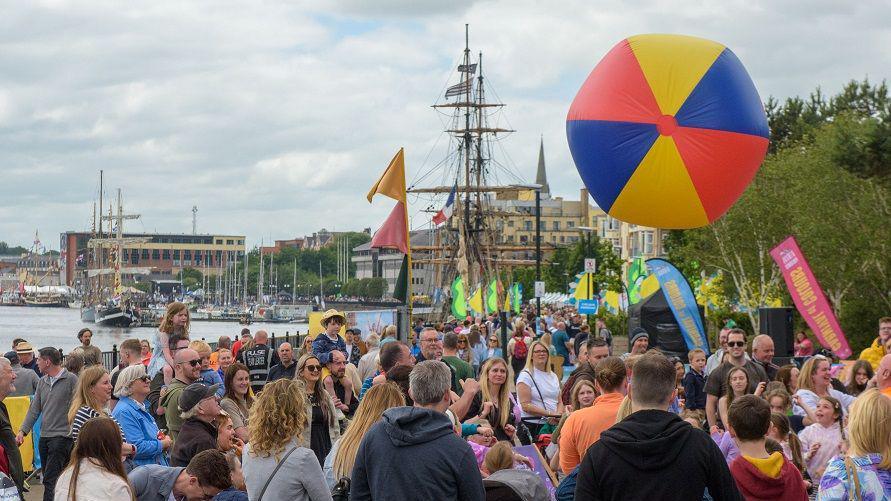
[[392, 181], [476, 301]]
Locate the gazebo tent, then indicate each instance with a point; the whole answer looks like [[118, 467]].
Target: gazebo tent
[[655, 316]]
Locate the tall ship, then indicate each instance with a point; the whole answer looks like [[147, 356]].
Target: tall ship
[[476, 174], [108, 302], [38, 267]]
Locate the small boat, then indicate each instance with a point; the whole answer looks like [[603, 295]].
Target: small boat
[[46, 301], [115, 316], [88, 314]]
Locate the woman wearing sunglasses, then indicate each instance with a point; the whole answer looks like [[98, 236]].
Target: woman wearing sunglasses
[[493, 347], [136, 423], [323, 416]]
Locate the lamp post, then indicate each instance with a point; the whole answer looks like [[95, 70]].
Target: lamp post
[[537, 188]]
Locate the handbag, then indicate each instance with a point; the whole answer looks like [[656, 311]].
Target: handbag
[[851, 470], [540, 428], [341, 490], [277, 467]]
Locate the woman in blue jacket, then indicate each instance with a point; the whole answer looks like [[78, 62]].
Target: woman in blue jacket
[[137, 424]]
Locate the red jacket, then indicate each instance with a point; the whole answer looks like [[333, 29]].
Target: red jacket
[[754, 485]]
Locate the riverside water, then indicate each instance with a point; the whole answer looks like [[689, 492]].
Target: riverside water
[[58, 327]]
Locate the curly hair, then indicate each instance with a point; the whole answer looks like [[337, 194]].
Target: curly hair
[[277, 416]]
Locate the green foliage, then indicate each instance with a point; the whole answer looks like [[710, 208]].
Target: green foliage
[[826, 181], [191, 278], [566, 262], [369, 288], [6, 250]]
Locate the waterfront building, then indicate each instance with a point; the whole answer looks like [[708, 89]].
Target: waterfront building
[[385, 263], [160, 254]]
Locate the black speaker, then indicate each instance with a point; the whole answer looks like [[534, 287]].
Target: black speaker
[[777, 323]]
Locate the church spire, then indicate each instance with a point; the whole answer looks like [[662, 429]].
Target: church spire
[[541, 176]]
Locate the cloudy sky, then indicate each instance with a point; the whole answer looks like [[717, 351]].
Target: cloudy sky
[[275, 118]]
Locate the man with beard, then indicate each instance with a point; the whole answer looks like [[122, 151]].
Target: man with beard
[[341, 387]]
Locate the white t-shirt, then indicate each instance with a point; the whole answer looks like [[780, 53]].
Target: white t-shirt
[[548, 385]]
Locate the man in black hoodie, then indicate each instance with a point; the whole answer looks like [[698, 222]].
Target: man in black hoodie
[[653, 454], [413, 453]]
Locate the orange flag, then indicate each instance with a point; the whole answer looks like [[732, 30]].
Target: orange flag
[[392, 181], [393, 234]]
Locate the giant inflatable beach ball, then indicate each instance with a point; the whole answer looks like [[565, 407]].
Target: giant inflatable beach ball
[[667, 131]]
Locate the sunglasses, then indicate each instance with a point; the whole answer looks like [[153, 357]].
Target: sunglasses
[[193, 363], [493, 340], [144, 379], [313, 368], [736, 343], [461, 341]]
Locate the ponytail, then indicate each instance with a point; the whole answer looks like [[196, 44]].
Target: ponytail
[[781, 422]]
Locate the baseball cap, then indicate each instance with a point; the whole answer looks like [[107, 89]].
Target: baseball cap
[[195, 393]]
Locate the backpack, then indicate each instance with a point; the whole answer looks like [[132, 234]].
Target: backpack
[[520, 348], [341, 490]]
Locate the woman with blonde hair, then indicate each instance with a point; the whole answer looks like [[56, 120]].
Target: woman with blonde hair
[[538, 390], [95, 470], [465, 352], [865, 471], [815, 382], [275, 463], [323, 417], [90, 400], [494, 401], [339, 462], [175, 321]]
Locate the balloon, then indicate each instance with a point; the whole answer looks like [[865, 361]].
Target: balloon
[[667, 131]]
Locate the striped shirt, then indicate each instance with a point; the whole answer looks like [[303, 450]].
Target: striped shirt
[[83, 415]]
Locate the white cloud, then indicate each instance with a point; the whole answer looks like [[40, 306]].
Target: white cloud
[[276, 118]]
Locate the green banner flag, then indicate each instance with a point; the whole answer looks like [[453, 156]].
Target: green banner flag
[[459, 302], [492, 297], [401, 291], [636, 274], [517, 297]]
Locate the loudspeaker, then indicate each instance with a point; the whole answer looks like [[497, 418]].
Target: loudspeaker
[[777, 323]]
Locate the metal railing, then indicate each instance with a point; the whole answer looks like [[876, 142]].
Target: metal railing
[[110, 359]]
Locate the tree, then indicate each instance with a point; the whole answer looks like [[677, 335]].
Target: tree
[[191, 278]]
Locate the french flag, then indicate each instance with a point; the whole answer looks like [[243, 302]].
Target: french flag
[[446, 212]]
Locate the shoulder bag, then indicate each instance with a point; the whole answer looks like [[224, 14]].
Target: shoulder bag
[[277, 467]]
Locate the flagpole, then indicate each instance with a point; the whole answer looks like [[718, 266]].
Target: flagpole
[[408, 286]]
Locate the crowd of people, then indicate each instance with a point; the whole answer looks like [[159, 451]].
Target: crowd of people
[[439, 416]]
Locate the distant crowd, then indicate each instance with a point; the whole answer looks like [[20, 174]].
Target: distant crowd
[[353, 415]]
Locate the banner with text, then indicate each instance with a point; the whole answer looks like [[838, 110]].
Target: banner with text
[[809, 298], [682, 302]]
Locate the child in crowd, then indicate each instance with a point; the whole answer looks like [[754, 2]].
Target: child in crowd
[[781, 431], [694, 381], [759, 474], [825, 438], [207, 375]]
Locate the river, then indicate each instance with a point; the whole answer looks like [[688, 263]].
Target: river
[[58, 327]]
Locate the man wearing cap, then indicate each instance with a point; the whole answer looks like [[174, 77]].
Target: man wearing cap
[[186, 370], [355, 348], [637, 343], [26, 357], [199, 408], [330, 340], [25, 379]]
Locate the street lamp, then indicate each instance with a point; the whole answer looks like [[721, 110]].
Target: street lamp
[[537, 188]]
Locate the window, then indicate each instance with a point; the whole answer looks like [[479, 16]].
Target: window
[[166, 254], [156, 254], [562, 239], [176, 254], [187, 255], [240, 242], [145, 254], [134, 258], [647, 242], [556, 225], [570, 224], [527, 225], [126, 255], [510, 223], [230, 242]]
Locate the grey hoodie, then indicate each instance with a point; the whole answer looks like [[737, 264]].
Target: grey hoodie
[[153, 482], [413, 453]]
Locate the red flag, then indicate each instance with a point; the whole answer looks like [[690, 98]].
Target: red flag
[[392, 235]]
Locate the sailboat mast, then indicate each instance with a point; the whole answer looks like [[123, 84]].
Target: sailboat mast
[[467, 138]]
